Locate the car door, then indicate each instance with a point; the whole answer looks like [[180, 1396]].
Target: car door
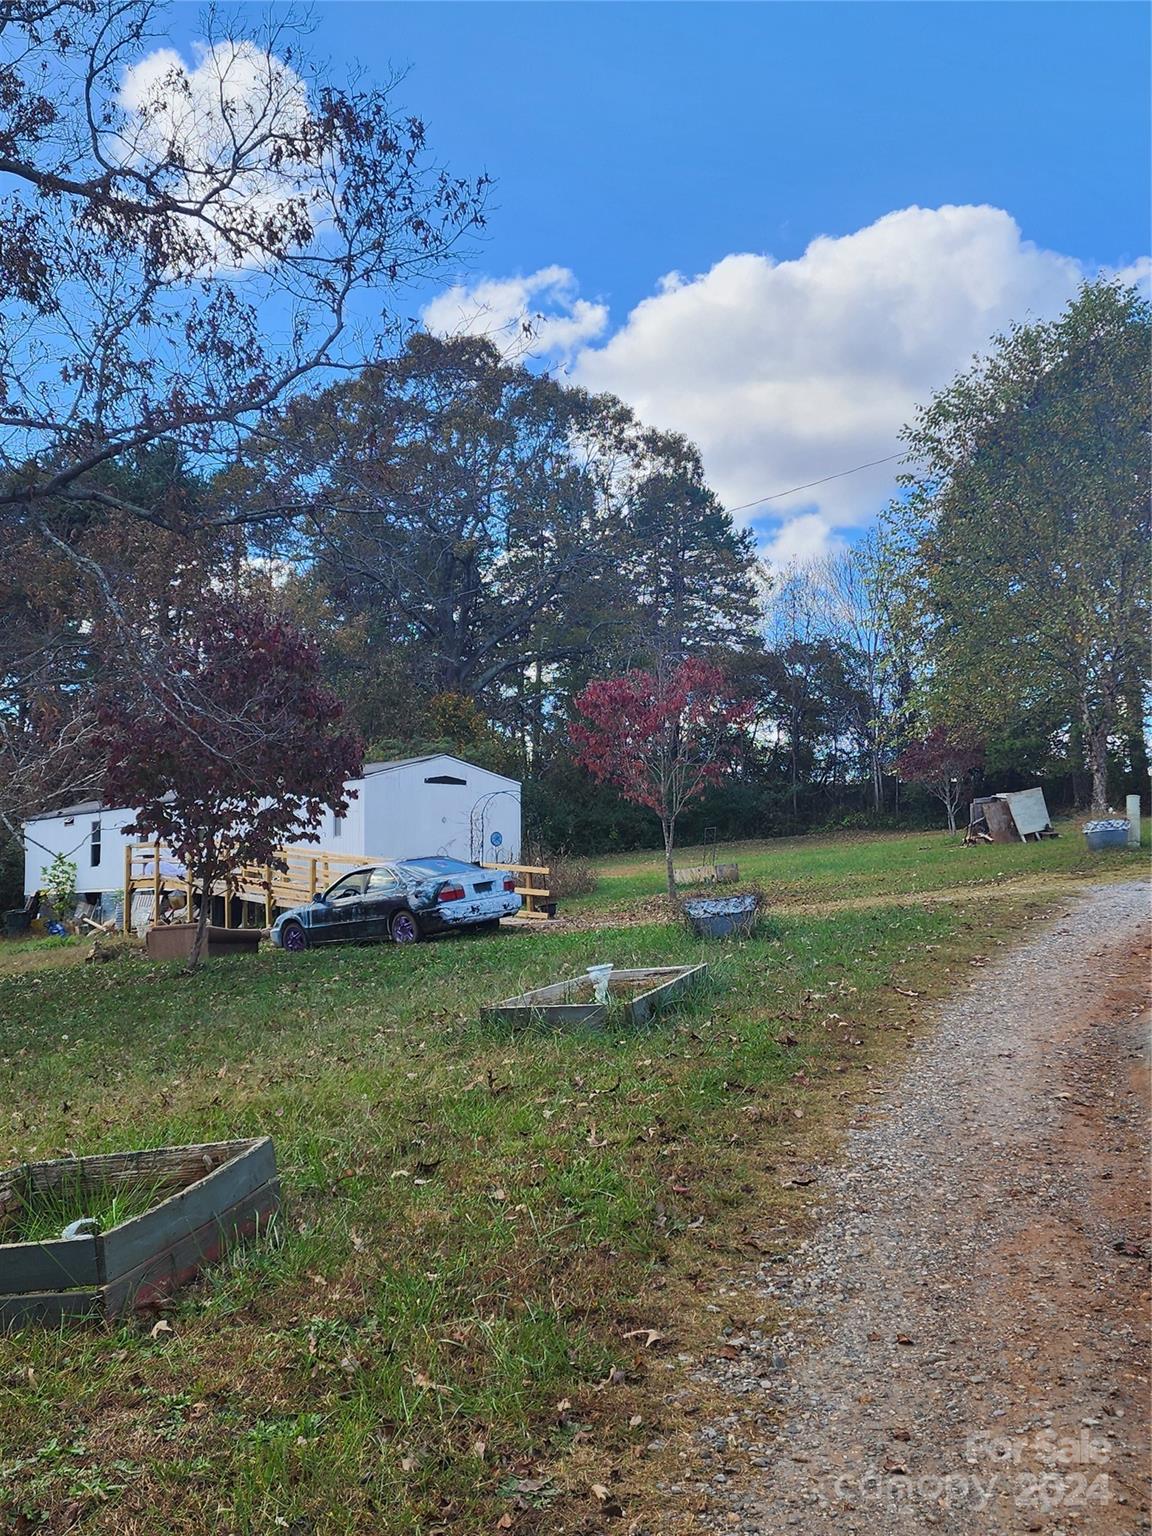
[[340, 917], [383, 893]]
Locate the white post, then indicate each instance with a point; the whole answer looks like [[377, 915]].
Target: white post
[[1132, 811]]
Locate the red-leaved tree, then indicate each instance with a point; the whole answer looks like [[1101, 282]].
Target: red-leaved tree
[[229, 745], [660, 737], [944, 763]]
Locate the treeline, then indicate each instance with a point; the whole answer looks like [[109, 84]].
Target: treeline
[[472, 542]]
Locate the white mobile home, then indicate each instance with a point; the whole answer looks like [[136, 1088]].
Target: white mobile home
[[415, 806]]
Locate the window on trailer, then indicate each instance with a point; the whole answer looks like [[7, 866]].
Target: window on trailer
[[95, 844]]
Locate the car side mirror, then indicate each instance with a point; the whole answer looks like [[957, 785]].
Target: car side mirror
[[318, 896]]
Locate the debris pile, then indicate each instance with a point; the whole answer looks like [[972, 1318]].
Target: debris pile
[[1009, 818]]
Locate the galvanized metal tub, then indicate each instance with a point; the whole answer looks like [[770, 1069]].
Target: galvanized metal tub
[[722, 917], [1106, 834]]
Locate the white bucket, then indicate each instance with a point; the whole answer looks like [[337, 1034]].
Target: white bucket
[[599, 976]]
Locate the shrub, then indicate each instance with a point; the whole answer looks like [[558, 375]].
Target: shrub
[[569, 874]]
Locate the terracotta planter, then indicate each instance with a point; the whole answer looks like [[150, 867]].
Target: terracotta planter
[[174, 941]]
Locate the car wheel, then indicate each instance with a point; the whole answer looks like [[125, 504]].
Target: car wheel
[[404, 929], [293, 938]]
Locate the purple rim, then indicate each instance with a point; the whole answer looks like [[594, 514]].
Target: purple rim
[[404, 929], [293, 938]]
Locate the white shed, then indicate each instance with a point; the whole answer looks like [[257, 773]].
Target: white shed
[[438, 804]]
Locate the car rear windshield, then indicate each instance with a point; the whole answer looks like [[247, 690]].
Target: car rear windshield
[[439, 866]]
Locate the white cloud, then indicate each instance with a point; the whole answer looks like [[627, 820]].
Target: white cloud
[[540, 313], [224, 121], [787, 371], [799, 540]]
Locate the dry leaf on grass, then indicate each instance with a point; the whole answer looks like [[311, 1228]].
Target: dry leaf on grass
[[649, 1335]]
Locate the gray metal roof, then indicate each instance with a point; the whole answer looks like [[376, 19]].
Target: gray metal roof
[[404, 762], [82, 807]]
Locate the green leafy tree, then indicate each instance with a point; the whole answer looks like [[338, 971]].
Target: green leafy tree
[[693, 579], [1025, 532]]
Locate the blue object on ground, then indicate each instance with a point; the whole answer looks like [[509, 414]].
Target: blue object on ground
[[721, 917], [1106, 834]]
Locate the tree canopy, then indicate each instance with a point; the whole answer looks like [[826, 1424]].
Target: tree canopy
[[1025, 532]]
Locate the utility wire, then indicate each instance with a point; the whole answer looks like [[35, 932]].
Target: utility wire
[[776, 495]]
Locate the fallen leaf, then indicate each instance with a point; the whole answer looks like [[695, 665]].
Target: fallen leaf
[[425, 1382], [163, 1326], [649, 1335]]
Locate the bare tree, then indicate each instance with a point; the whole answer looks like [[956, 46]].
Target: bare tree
[[852, 591], [182, 247]]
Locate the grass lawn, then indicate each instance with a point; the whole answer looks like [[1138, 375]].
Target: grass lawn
[[841, 867], [495, 1246]]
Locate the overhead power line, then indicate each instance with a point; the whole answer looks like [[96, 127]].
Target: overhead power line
[[776, 495]]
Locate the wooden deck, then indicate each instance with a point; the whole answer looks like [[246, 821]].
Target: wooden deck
[[151, 870]]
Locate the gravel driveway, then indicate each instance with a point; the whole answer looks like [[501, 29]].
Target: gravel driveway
[[966, 1345]]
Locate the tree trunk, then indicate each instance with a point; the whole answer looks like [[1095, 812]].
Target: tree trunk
[[198, 943], [1098, 764], [668, 827], [1096, 733], [877, 776]]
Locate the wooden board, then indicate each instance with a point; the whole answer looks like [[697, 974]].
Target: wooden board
[[56, 1266], [162, 1272], [128, 1245], [707, 874], [49, 1307]]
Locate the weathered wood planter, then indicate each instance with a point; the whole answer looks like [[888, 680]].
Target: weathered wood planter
[[633, 996], [208, 1197], [707, 874], [174, 941]]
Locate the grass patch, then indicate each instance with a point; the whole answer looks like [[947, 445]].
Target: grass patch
[[450, 1321], [44, 1213], [801, 870]]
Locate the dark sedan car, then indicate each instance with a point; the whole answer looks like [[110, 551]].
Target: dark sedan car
[[404, 901]]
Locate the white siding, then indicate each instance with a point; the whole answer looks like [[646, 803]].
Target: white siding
[[405, 816], [71, 835], [396, 814]]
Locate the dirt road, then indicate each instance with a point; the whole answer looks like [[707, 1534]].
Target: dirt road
[[967, 1338]]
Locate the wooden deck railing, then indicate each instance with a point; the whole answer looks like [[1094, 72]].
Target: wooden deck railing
[[534, 896], [275, 890]]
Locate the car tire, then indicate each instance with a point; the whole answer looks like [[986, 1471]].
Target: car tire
[[404, 928], [294, 938]]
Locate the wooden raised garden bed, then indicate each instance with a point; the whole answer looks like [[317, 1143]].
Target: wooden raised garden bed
[[181, 1207], [174, 941], [633, 996]]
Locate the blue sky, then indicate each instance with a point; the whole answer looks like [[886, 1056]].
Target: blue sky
[[717, 142]]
